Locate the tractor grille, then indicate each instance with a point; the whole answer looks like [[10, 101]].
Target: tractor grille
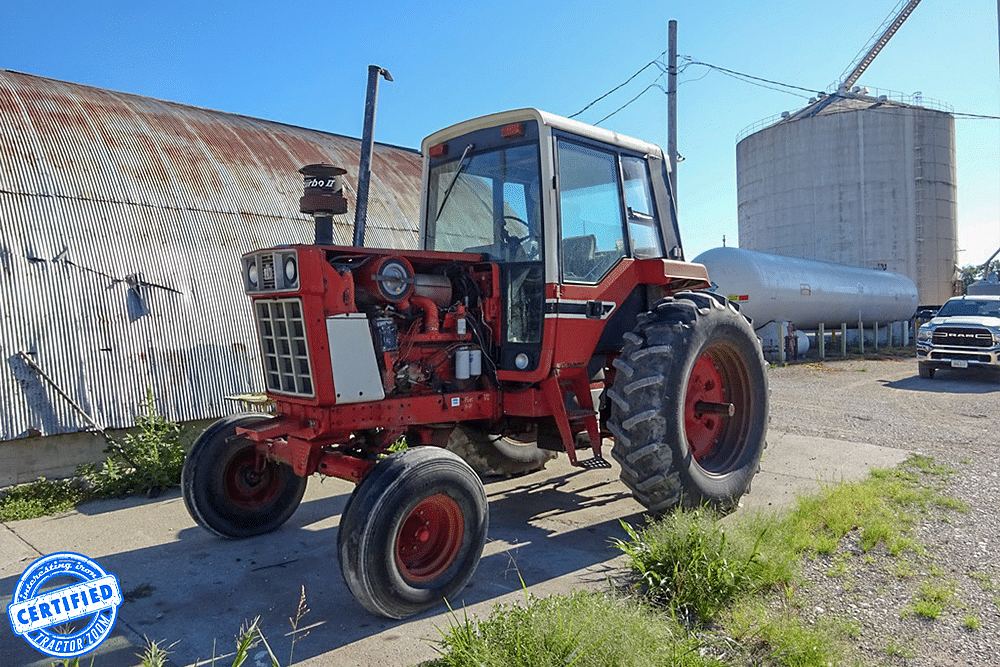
[[287, 369], [963, 337]]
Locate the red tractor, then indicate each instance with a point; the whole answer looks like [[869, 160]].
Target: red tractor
[[548, 309]]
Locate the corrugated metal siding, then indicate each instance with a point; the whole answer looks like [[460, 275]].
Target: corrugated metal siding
[[122, 219]]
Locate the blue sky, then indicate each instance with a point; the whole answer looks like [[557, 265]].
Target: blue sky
[[306, 64]]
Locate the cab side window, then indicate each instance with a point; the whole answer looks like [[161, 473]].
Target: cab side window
[[643, 226], [593, 238]]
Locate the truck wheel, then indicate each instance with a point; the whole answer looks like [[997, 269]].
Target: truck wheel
[[412, 532], [231, 491], [686, 362], [926, 371], [495, 456]]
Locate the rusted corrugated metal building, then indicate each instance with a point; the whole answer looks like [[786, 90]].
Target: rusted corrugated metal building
[[123, 219]]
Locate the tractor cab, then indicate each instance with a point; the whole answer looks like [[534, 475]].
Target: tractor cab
[[570, 212]]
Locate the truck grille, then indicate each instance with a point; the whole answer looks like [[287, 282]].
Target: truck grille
[[963, 337], [961, 356], [283, 343]]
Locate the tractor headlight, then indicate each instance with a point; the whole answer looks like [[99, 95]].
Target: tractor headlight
[[252, 274], [291, 271]]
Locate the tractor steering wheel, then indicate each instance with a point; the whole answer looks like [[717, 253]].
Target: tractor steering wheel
[[529, 251]]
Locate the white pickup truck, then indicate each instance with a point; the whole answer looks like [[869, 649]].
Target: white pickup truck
[[965, 333]]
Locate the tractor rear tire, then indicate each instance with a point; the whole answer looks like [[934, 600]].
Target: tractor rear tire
[[680, 369], [229, 490], [497, 456], [412, 532]]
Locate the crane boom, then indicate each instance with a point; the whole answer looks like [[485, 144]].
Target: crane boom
[[859, 66]]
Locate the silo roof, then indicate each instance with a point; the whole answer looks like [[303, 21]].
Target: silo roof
[[123, 221], [835, 103]]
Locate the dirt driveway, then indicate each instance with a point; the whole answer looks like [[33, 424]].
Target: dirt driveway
[[884, 402]]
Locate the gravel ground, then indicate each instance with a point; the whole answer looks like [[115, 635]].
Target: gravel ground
[[952, 418]]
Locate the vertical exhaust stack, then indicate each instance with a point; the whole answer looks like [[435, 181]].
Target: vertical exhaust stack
[[323, 196], [365, 165]]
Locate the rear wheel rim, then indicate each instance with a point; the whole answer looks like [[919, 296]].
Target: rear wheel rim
[[704, 384], [250, 484], [430, 538]]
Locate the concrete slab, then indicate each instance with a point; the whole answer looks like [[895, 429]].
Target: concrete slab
[[187, 588], [793, 465]]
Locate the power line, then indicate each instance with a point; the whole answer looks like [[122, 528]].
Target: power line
[[744, 75], [973, 116], [740, 76], [641, 70], [652, 85]]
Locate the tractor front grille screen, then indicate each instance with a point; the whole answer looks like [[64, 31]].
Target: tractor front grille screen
[[283, 345]]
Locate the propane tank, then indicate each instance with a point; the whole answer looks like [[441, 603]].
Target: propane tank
[[772, 288]]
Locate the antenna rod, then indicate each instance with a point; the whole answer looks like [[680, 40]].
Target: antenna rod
[[672, 105]]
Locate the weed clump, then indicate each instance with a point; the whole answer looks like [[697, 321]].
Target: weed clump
[[686, 563], [147, 461]]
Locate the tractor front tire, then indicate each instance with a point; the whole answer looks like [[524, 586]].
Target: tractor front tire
[[688, 363], [412, 532], [232, 491], [497, 456]]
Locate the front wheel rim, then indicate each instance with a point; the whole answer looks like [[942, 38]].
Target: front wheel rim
[[249, 483], [430, 538]]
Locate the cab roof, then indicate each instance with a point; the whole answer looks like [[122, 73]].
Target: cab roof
[[544, 119]]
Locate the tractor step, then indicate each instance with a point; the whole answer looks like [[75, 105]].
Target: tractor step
[[595, 463]]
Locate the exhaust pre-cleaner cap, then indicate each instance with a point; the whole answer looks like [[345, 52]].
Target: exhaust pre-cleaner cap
[[323, 186]]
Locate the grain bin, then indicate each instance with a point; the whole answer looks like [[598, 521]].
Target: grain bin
[[866, 181]]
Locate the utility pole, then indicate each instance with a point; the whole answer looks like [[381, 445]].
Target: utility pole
[[672, 103]]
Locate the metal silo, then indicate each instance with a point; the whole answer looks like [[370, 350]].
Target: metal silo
[[862, 180]]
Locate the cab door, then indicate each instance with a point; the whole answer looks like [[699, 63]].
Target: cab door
[[607, 219]]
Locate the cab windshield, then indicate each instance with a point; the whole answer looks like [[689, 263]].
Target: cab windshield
[[487, 202]]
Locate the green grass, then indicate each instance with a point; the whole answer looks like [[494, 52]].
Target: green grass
[[582, 629], [728, 592], [773, 636], [900, 650], [40, 498], [148, 460], [985, 580], [932, 599], [686, 564]]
